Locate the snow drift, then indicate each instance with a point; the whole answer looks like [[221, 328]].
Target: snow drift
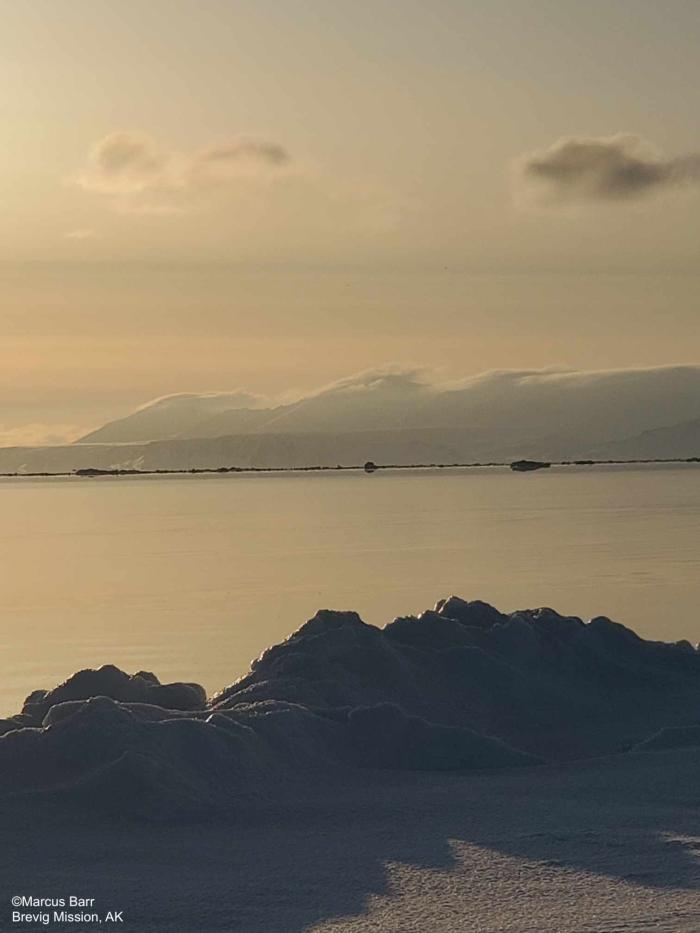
[[460, 687]]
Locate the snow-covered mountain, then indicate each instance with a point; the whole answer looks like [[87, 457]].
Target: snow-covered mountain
[[401, 416], [678, 440], [171, 416]]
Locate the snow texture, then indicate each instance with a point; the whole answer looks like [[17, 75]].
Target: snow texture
[[461, 687], [443, 773]]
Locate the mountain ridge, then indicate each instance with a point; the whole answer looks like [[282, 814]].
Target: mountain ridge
[[400, 417]]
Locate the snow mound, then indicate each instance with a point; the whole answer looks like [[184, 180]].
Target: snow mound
[[459, 687], [547, 684], [109, 681]]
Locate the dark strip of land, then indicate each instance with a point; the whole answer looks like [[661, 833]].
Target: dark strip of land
[[91, 472]]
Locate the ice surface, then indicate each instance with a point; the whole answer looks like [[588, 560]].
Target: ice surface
[[436, 774]]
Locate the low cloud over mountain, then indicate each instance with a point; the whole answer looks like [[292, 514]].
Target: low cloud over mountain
[[593, 405], [396, 415], [173, 416]]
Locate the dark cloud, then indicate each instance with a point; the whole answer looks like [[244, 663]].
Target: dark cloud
[[244, 150], [124, 163], [612, 168]]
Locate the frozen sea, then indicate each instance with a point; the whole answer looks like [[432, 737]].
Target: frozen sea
[[192, 576]]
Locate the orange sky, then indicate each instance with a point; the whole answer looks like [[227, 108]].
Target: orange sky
[[202, 195]]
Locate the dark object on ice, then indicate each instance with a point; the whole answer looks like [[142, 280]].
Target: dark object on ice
[[370, 467], [525, 466], [116, 471]]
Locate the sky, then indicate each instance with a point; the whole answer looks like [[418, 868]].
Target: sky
[[198, 195]]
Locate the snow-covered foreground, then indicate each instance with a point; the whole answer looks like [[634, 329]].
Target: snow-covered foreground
[[460, 770], [596, 847]]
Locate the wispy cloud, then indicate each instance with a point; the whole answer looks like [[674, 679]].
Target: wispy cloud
[[602, 168], [221, 162], [139, 173]]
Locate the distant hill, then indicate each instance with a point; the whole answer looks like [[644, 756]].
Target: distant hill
[[678, 440], [172, 416], [594, 407], [275, 451], [398, 416]]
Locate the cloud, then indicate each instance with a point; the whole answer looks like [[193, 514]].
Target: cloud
[[80, 234], [602, 168], [141, 174], [502, 404], [212, 402], [124, 163], [392, 376], [239, 155]]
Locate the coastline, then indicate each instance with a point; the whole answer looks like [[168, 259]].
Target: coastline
[[90, 473]]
